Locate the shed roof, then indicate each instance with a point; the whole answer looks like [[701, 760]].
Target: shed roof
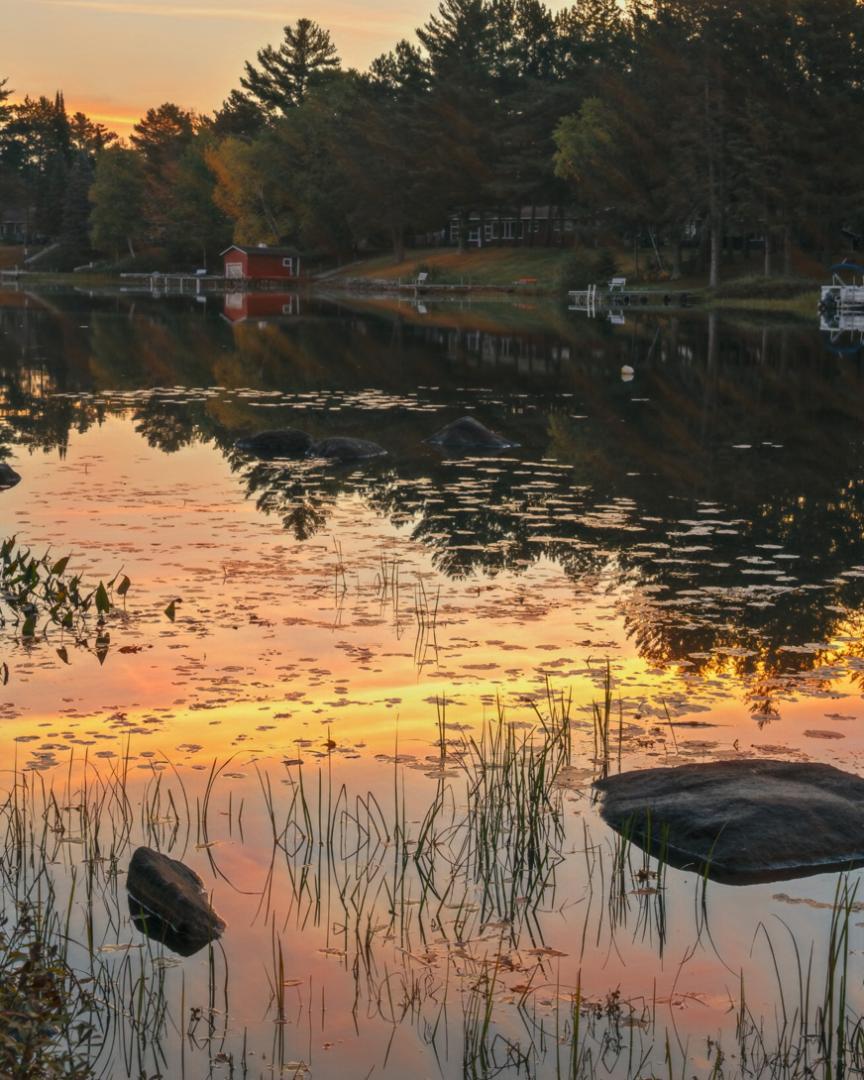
[[259, 249]]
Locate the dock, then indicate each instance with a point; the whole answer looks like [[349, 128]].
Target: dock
[[616, 296], [159, 284]]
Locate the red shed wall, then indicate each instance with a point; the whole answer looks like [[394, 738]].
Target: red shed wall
[[236, 257], [260, 267], [268, 266]]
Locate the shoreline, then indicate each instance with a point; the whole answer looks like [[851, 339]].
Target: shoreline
[[802, 303]]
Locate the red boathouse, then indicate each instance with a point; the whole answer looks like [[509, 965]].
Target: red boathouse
[[261, 263]]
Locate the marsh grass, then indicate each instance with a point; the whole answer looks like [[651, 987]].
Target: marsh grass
[[426, 615], [436, 919]]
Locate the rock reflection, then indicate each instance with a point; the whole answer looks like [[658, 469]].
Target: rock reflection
[[167, 902]]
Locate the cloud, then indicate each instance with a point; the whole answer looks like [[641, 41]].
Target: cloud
[[360, 22], [166, 11]]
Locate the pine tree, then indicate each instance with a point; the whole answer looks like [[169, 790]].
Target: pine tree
[[285, 75], [239, 115], [76, 205]]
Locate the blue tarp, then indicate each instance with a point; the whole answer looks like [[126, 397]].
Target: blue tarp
[[855, 268]]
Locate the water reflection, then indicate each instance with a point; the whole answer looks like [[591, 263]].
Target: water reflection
[[718, 494]]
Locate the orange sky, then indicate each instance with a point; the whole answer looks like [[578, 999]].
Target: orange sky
[[115, 58]]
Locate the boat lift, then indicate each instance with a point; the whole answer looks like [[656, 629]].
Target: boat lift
[[841, 305], [845, 294]]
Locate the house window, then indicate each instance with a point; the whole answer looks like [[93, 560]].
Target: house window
[[474, 236], [454, 232], [490, 230], [509, 229], [289, 265], [234, 270]]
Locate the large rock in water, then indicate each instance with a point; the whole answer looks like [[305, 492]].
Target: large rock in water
[[168, 903], [281, 443], [345, 449], [469, 434], [744, 821], [8, 477]]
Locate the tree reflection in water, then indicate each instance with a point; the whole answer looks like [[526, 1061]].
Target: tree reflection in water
[[719, 493]]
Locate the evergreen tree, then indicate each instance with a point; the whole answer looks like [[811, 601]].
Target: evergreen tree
[[87, 136], [76, 204], [285, 75], [39, 148], [161, 138], [239, 115], [117, 196]]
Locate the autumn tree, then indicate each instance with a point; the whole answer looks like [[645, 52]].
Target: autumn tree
[[196, 225], [250, 187]]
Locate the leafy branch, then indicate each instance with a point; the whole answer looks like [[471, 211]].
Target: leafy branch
[[36, 593]]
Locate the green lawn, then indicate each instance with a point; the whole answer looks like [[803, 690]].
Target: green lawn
[[488, 266]]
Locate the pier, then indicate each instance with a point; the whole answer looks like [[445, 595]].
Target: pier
[[615, 296]]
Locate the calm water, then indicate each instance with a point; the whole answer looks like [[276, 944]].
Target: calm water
[[338, 636]]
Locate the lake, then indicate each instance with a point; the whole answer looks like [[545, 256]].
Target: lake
[[367, 704]]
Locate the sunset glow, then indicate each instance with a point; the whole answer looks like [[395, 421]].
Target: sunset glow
[[129, 55]]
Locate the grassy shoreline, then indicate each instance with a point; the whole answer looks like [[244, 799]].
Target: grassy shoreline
[[494, 278]]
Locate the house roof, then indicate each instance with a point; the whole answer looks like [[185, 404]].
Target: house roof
[[259, 249]]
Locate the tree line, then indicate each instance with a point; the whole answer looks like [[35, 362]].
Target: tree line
[[680, 123]]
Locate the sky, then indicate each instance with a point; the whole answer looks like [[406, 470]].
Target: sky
[[114, 59]]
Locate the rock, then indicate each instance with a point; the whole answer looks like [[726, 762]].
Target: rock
[[342, 448], [747, 820], [469, 434], [168, 903], [8, 477], [282, 443]]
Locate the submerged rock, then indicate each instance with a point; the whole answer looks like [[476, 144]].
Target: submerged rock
[[469, 434], [281, 443], [745, 821], [8, 477], [343, 448], [168, 903]]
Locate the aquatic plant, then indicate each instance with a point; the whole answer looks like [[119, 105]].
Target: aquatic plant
[[37, 592]]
